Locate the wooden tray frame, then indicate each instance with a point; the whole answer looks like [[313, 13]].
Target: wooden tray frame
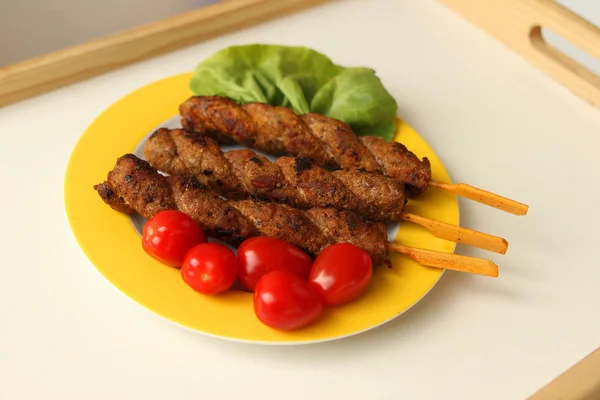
[[73, 64], [517, 23]]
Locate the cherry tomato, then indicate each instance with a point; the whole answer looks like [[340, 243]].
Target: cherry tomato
[[285, 301], [341, 273], [262, 254], [169, 235], [209, 268]]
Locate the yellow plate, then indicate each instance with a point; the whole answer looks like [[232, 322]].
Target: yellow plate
[[112, 244]]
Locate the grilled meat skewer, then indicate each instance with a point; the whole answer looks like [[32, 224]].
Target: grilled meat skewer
[[295, 181], [134, 186], [278, 130], [330, 143]]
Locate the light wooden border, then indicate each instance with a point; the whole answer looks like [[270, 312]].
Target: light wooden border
[[519, 23], [580, 382], [48, 72]]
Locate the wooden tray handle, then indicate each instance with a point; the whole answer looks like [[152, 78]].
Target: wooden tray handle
[[519, 24], [578, 31]]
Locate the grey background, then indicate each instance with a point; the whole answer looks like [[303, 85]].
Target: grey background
[[32, 27]]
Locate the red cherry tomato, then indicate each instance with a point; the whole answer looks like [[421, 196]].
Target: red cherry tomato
[[341, 273], [169, 235], [262, 254], [209, 268], [285, 301]]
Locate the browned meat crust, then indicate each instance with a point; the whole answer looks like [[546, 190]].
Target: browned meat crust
[[107, 193], [138, 187], [295, 181], [330, 143], [134, 185], [397, 161]]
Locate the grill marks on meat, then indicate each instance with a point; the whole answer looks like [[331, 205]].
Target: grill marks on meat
[[319, 187], [192, 155], [347, 227], [214, 214], [289, 224], [397, 161], [280, 129], [107, 193], [277, 130], [383, 198], [136, 184], [234, 174], [173, 193], [295, 181], [283, 131], [260, 179], [233, 221], [340, 143]]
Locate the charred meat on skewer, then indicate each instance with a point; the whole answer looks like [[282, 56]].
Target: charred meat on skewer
[[295, 181], [134, 186], [278, 130]]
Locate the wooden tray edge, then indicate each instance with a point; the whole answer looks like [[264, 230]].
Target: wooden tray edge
[[73, 64]]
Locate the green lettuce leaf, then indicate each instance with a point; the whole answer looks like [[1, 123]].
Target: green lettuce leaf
[[301, 79]]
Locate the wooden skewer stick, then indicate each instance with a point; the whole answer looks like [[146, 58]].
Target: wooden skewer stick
[[454, 262], [482, 196], [459, 234]]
